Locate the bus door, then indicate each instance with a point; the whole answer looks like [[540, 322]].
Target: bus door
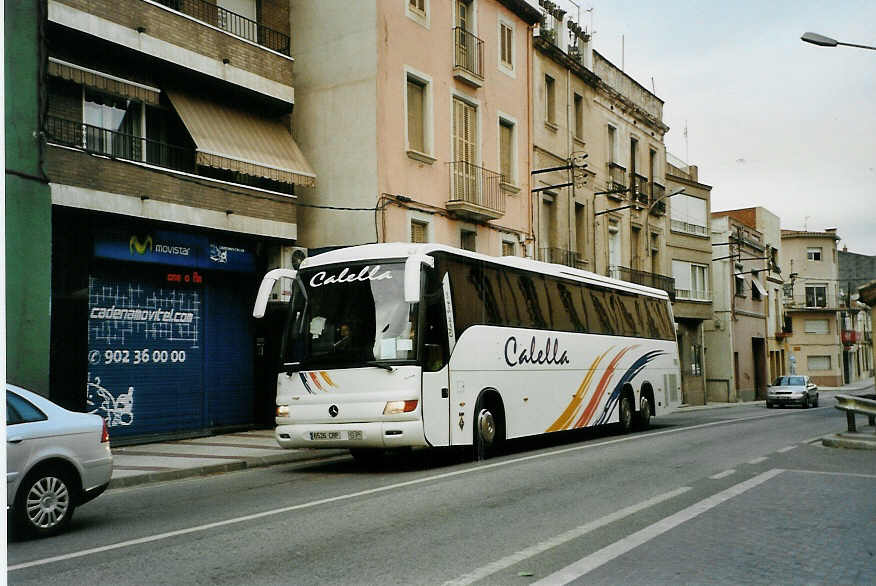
[[438, 342]]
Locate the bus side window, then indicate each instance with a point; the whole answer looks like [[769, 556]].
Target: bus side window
[[495, 304], [515, 308]]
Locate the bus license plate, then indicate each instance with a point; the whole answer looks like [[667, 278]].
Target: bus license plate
[[325, 435]]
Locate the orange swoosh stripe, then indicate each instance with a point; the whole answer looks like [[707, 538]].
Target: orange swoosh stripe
[[568, 414], [315, 381], [600, 389], [327, 379]]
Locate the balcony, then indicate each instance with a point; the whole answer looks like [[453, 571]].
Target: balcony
[[849, 337], [693, 294], [231, 22], [659, 208], [475, 193], [127, 147], [468, 57], [644, 278], [695, 229], [559, 256], [639, 192], [617, 180]]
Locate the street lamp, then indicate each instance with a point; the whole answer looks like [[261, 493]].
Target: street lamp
[[648, 216], [823, 41]]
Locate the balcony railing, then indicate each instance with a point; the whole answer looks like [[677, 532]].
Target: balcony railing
[[693, 294], [232, 22], [639, 191], [469, 52], [659, 208], [118, 145], [657, 191], [679, 226], [617, 179], [475, 192], [559, 256], [128, 147], [644, 278]]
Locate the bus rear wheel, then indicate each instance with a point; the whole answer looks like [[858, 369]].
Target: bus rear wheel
[[643, 418], [625, 414]]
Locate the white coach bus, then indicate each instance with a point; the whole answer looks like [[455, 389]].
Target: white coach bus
[[404, 345]]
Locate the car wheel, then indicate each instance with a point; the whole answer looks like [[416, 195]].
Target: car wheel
[[805, 404], [643, 420], [625, 414], [815, 402], [45, 502], [769, 405]]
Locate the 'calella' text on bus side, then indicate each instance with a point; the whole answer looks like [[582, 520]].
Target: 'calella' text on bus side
[[550, 355]]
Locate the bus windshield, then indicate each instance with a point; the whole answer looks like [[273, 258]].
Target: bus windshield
[[346, 316]]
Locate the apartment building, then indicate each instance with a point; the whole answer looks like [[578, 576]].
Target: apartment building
[[415, 117], [768, 224], [736, 347], [855, 271], [174, 176], [823, 328], [610, 215], [689, 248]]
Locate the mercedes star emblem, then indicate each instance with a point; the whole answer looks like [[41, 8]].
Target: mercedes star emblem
[[333, 410]]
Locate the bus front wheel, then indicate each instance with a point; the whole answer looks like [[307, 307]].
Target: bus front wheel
[[644, 416], [488, 431]]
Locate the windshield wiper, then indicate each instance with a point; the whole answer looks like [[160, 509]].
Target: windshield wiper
[[382, 365]]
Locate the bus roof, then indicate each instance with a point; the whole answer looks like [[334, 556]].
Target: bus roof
[[388, 250]]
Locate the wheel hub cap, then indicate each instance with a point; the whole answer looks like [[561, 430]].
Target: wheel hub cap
[[486, 426], [47, 502]]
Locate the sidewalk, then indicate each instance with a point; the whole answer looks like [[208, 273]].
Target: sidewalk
[[171, 460], [851, 388]]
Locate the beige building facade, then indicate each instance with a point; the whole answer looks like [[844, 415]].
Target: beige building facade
[[814, 305], [689, 248], [610, 215], [417, 120], [736, 347]]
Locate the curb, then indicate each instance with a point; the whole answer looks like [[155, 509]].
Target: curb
[[209, 469], [857, 441]]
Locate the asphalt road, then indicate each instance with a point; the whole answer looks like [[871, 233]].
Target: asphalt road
[[733, 495]]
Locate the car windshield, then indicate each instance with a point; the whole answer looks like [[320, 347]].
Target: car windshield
[[789, 381], [348, 315]]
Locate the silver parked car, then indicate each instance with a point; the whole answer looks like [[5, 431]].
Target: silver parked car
[[794, 389], [56, 460]]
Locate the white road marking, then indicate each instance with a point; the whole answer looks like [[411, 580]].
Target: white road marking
[[721, 475], [758, 460], [476, 468], [786, 449], [506, 562], [852, 474], [618, 548]]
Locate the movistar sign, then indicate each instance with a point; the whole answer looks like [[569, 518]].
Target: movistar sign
[[174, 248]]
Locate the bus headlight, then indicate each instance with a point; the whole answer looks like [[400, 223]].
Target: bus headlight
[[282, 410], [395, 407]]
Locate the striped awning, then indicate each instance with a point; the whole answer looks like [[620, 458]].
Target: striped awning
[[103, 81], [231, 139]]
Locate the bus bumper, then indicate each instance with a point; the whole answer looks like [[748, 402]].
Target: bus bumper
[[384, 434]]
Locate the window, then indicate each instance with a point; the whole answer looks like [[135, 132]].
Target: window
[[550, 96], [816, 296], [691, 280], [688, 214], [419, 231], [612, 144], [506, 151], [508, 248], [468, 240], [813, 253], [506, 45], [19, 410], [417, 5], [818, 362], [579, 117], [113, 125], [465, 176], [418, 11], [817, 326], [416, 118], [740, 286]]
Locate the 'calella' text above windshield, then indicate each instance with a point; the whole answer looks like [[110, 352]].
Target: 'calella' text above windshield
[[367, 273]]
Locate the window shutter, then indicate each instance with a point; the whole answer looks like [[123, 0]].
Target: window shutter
[[506, 134], [418, 232], [415, 116]]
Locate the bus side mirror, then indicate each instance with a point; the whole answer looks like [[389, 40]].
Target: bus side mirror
[[412, 275], [433, 360], [261, 302]]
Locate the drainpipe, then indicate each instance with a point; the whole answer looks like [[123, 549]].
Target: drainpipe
[[529, 82]]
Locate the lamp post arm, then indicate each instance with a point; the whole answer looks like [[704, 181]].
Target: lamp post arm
[[858, 46]]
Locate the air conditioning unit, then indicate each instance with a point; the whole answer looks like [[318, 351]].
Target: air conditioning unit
[[285, 257]]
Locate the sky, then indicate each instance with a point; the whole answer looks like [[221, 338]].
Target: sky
[[771, 121]]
